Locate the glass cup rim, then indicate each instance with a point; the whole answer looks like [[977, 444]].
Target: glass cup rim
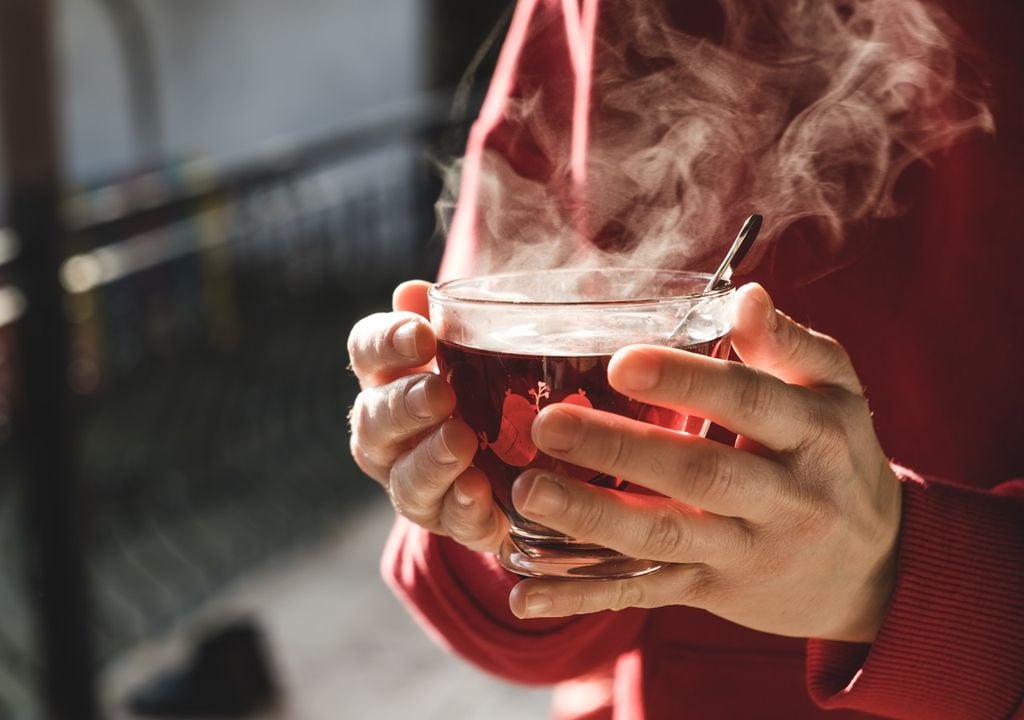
[[442, 291]]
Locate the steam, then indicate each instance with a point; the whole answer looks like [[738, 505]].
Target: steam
[[802, 109]]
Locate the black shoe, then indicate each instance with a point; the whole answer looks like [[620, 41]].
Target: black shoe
[[228, 675]]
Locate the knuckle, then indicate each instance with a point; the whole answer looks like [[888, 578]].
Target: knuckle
[[853, 407], [382, 416], [839, 365], [833, 347], [705, 472], [422, 482], [574, 602], [396, 409], [355, 449], [829, 357], [616, 451], [397, 491], [406, 497], [811, 506], [799, 343], [756, 395], [367, 431], [665, 536], [452, 446], [364, 412], [684, 382], [363, 461], [429, 474], [463, 530], [353, 345], [746, 544], [460, 523], [626, 594], [378, 342], [466, 526], [836, 353], [826, 430], [588, 516], [362, 342], [700, 586], [357, 416]]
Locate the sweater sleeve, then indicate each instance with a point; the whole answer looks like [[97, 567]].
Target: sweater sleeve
[[461, 598], [952, 642]]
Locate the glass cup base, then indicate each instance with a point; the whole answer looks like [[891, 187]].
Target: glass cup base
[[570, 560]]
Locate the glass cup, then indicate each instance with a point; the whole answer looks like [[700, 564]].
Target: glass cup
[[512, 344]]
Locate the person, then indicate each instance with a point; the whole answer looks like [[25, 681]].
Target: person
[[810, 574]]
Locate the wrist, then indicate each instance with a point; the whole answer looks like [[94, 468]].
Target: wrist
[[879, 582]]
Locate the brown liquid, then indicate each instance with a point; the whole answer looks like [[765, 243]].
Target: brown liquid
[[499, 394]]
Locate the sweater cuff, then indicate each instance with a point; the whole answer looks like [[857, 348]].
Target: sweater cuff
[[952, 642]]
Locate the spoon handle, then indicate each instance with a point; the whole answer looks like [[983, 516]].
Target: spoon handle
[[744, 239], [740, 246]]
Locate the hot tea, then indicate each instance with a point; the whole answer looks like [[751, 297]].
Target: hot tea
[[499, 394], [510, 345]]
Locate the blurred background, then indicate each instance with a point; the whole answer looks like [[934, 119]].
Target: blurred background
[[221, 189]]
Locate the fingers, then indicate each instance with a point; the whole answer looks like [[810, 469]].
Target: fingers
[[765, 338], [399, 433], [411, 296], [469, 515], [770, 401], [642, 526], [673, 585], [745, 400], [420, 478], [433, 486], [385, 418], [384, 346], [710, 475]]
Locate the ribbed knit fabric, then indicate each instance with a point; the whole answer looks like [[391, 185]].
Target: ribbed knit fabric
[[952, 643]]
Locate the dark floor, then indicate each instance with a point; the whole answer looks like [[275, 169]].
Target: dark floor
[[342, 645]]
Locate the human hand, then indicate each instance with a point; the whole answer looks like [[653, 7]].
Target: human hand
[[402, 435], [793, 531]]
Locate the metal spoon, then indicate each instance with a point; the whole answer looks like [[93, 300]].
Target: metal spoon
[[744, 239]]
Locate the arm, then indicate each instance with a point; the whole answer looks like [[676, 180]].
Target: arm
[[461, 597], [952, 641], [803, 533]]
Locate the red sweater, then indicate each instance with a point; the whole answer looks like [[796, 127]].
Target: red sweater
[[931, 314]]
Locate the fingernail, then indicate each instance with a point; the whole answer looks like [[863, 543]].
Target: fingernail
[[546, 496], [460, 497], [640, 371], [558, 431], [537, 603], [771, 318], [437, 448], [417, 402], [404, 340]]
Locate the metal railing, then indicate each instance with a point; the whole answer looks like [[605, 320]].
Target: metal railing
[[206, 310]]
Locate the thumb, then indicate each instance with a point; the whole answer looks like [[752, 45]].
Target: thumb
[[412, 297], [771, 341]]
